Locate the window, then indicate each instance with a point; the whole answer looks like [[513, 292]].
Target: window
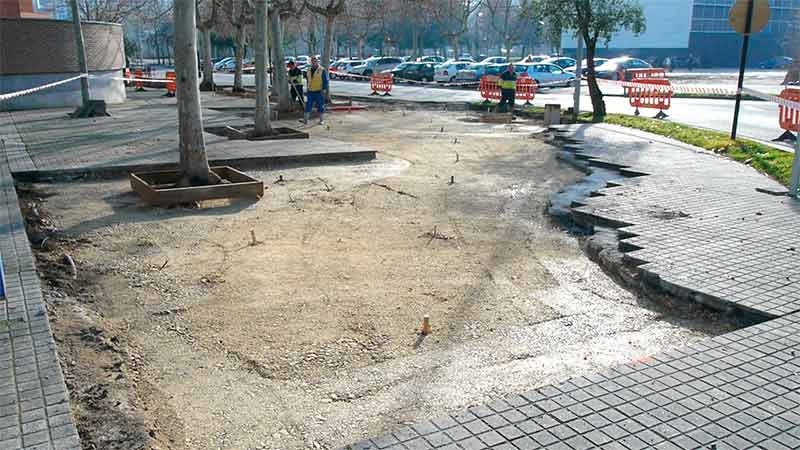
[[556, 69]]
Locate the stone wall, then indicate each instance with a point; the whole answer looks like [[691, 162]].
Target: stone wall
[[41, 46]]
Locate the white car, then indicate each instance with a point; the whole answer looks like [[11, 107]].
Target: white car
[[376, 64], [446, 72], [549, 75], [225, 64], [343, 67], [534, 59]]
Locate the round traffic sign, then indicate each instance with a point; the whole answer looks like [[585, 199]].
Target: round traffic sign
[[738, 15]]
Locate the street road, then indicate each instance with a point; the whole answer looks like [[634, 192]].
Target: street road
[[759, 120]]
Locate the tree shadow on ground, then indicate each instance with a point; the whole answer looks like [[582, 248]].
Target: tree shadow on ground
[[127, 208]]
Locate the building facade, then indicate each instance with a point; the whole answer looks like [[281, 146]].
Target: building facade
[[36, 9], [715, 42], [680, 28]]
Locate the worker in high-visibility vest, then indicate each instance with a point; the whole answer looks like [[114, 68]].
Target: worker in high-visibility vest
[[295, 82], [317, 79], [508, 89]]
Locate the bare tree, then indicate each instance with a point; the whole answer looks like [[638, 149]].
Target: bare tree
[[263, 125], [240, 15], [452, 16], [509, 19], [329, 10], [205, 27], [194, 168]]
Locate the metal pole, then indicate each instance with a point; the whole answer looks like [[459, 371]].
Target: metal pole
[[76, 22], [576, 106], [742, 64], [795, 180]]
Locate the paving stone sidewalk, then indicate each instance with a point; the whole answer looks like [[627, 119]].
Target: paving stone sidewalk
[[34, 403], [143, 131], [695, 223]]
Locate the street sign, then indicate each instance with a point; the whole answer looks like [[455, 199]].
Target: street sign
[[738, 16]]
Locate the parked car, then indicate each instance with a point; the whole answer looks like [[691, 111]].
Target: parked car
[[302, 61], [475, 71], [446, 72], [343, 67], [248, 66], [224, 63], [560, 61], [615, 69], [534, 59], [431, 59], [549, 74], [584, 70], [376, 64], [413, 71], [778, 62]]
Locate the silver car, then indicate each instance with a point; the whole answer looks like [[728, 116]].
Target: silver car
[[376, 64]]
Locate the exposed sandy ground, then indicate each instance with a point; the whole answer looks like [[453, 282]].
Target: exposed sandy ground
[[178, 333]]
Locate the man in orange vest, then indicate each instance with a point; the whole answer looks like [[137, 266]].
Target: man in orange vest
[[317, 84]]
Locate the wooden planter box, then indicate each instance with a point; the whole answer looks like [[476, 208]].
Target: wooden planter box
[[242, 132], [157, 188]]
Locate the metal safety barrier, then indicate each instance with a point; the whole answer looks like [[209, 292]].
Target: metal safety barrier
[[789, 118], [646, 95], [526, 89], [381, 82], [170, 84], [489, 88]]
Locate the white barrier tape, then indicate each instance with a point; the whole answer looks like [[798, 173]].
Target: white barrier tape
[[145, 80], [705, 90], [10, 95], [444, 85], [772, 99]]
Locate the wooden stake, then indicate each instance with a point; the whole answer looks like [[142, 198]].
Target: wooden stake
[[426, 325]]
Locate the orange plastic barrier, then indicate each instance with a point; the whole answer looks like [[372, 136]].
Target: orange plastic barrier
[[526, 89], [636, 74], [139, 83], [645, 97], [789, 118], [489, 88], [381, 82], [171, 84]]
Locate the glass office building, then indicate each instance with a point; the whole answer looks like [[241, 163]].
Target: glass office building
[[679, 28], [715, 42]]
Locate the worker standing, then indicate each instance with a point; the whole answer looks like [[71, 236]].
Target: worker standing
[[317, 79], [296, 82], [508, 89]]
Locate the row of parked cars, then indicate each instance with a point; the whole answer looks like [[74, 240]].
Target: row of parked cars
[[545, 69], [542, 68]]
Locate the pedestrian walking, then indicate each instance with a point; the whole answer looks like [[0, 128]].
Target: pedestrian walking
[[690, 62], [296, 82], [668, 64], [317, 85], [508, 89]]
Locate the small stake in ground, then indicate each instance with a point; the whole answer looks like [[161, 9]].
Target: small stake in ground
[[253, 240], [426, 325], [453, 178]]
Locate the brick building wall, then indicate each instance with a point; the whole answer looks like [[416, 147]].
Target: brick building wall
[[38, 46]]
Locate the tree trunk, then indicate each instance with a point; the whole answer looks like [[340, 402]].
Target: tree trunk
[[454, 42], [598, 105], [509, 48], [194, 168], [263, 125], [415, 40], [280, 80], [208, 66], [361, 48], [237, 75], [76, 23], [326, 50]]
